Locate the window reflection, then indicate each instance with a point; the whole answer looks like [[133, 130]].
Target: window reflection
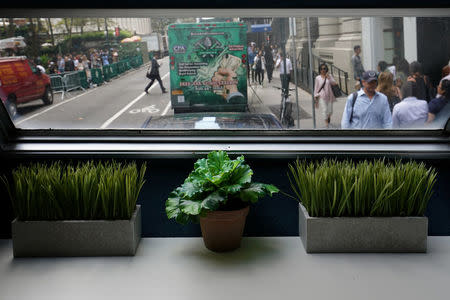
[[286, 73]]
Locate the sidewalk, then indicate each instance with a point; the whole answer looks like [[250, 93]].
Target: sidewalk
[[267, 99]]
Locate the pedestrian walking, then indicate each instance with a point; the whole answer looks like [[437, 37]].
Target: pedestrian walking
[[153, 73], [358, 68], [61, 64], [424, 88], [323, 94], [402, 73], [437, 104], [85, 63], [274, 52], [260, 66], [386, 87], [69, 65], [382, 67], [269, 63], [367, 108], [52, 68], [285, 73], [105, 58], [411, 112], [446, 72]]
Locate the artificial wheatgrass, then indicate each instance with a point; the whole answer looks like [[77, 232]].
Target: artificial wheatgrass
[[87, 191], [332, 188]]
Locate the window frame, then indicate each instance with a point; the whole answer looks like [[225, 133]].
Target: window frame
[[138, 143]]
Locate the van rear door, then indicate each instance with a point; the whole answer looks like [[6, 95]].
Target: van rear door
[[24, 88]]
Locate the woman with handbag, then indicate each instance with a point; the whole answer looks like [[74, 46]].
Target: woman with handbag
[[260, 67], [323, 93]]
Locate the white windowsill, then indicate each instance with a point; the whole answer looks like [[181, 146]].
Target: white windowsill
[[263, 268]]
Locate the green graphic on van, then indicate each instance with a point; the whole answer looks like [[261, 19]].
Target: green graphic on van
[[210, 73]]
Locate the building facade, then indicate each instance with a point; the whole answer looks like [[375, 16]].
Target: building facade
[[137, 26], [380, 38]]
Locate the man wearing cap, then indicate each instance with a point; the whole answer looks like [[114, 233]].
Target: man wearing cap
[[369, 109]]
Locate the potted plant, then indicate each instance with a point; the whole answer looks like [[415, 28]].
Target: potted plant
[[217, 193], [362, 207], [84, 210]]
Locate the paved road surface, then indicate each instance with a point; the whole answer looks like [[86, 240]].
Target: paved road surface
[[122, 103]]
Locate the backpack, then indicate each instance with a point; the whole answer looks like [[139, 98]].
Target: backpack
[[354, 96], [259, 64]]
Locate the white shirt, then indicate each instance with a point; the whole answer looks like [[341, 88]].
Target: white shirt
[[280, 64], [410, 113]]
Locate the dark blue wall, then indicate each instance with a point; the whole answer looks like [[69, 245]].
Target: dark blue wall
[[276, 216]]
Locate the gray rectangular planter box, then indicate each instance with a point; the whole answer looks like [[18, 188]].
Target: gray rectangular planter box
[[366, 234], [77, 237]]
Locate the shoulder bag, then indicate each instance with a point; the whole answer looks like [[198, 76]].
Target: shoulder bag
[[336, 90]]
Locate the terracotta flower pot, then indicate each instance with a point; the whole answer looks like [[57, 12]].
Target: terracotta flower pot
[[222, 230]]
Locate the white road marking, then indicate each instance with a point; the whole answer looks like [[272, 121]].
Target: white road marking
[[110, 120], [69, 100], [52, 107], [149, 109], [166, 109]]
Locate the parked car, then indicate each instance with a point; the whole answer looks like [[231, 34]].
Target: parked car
[[22, 82], [215, 120]]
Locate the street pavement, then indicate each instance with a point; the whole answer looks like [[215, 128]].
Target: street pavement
[[122, 103]]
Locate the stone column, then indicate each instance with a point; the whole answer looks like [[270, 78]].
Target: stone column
[[350, 36], [329, 30], [410, 38], [372, 42], [301, 36]]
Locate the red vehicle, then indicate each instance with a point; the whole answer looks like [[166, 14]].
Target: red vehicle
[[21, 82]]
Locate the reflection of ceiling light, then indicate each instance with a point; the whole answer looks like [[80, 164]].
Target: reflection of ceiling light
[[207, 123]]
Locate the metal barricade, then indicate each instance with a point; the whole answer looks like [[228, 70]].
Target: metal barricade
[[120, 67], [57, 84], [132, 62], [128, 65], [136, 61], [106, 73], [114, 70], [83, 79], [97, 77], [72, 81]]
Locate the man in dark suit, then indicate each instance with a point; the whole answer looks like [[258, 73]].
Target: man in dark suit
[[153, 73]]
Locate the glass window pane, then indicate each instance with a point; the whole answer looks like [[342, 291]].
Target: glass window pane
[[207, 72]]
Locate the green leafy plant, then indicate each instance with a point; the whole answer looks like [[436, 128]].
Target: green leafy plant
[[331, 188], [87, 191], [216, 183], [45, 58]]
